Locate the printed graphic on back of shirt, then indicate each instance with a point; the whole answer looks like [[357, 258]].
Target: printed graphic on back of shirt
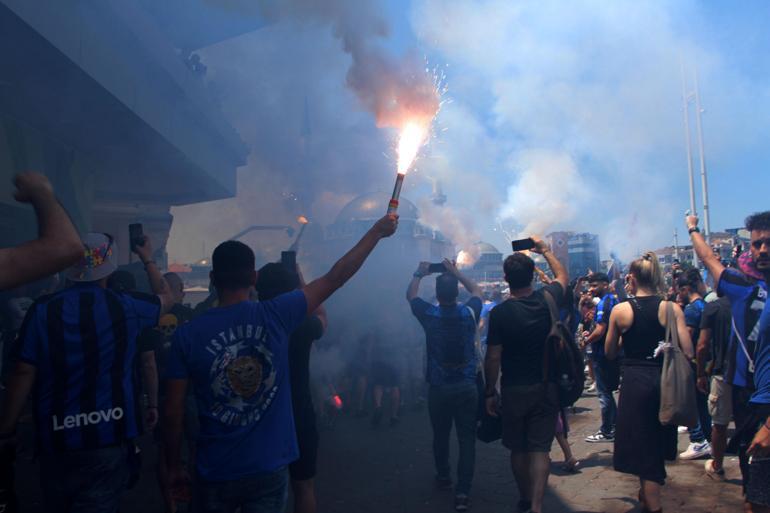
[[242, 375]]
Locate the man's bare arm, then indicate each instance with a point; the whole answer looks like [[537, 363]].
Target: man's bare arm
[[58, 245], [413, 290], [319, 290], [704, 251], [19, 387], [157, 281], [703, 351], [559, 272], [173, 418]]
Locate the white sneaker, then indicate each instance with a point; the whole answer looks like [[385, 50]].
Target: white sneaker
[[696, 450], [681, 429], [592, 389]]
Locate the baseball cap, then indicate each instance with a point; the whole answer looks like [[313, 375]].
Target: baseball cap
[[99, 256]]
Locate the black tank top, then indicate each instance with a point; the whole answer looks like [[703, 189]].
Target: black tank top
[[641, 339]]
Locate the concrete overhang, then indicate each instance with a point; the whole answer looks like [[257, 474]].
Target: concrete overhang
[[101, 78]]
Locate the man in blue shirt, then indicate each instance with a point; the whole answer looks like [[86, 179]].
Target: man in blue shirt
[[689, 294], [748, 300], [606, 372], [236, 358], [78, 348], [450, 336]]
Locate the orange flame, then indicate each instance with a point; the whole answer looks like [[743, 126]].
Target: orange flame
[[464, 259], [412, 138], [302, 220]]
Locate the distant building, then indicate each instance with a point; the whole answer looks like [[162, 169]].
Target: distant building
[[583, 251], [559, 242], [488, 267]]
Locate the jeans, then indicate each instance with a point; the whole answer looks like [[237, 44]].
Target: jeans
[[702, 431], [456, 402], [606, 400], [264, 493], [88, 481]]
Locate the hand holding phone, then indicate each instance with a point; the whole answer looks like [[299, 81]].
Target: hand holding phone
[[437, 268], [523, 244], [289, 260], [136, 235]]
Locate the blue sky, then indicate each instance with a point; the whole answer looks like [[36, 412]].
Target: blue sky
[[562, 115]]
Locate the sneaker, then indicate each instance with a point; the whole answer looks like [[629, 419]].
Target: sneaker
[[462, 502], [592, 389], [523, 506], [696, 450], [681, 430], [712, 472], [600, 437], [443, 483]]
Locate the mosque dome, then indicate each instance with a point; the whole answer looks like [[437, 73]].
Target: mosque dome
[[486, 248], [372, 206]]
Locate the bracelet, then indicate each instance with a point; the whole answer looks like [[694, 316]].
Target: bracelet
[[418, 275], [693, 229]]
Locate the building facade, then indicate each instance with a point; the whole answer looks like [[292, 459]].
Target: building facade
[[583, 251], [102, 98]]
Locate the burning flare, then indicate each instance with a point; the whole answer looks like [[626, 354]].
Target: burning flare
[[302, 220], [412, 138], [464, 259]]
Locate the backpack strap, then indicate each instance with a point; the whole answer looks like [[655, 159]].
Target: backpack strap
[[554, 313]]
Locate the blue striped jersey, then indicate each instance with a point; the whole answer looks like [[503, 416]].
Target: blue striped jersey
[[82, 342], [747, 300]]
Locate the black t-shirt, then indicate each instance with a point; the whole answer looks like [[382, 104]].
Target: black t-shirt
[[521, 326], [300, 343], [159, 338], [718, 317]]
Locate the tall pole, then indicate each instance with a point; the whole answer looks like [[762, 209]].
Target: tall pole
[[686, 110], [676, 244], [703, 178]]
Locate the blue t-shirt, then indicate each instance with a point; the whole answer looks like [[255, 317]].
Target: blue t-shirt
[[237, 361], [486, 308], [450, 335], [602, 316], [762, 361], [747, 300], [693, 313], [82, 342]]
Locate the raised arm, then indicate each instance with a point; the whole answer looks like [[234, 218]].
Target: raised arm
[[470, 285], [58, 244], [414, 286], [320, 312], [558, 270], [319, 290], [703, 250], [157, 281]]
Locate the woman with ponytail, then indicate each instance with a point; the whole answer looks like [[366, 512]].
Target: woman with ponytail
[[637, 326]]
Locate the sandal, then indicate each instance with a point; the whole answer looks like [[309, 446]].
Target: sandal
[[571, 465]]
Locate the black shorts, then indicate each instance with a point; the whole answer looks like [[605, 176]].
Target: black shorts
[[529, 417], [758, 485], [306, 466]]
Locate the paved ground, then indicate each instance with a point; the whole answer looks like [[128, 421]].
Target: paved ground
[[390, 470]]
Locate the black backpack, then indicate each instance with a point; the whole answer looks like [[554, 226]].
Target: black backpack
[[563, 361]]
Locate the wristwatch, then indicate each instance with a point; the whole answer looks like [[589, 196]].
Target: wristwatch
[[693, 229]]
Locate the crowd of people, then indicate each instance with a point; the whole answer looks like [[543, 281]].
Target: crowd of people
[[228, 393]]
